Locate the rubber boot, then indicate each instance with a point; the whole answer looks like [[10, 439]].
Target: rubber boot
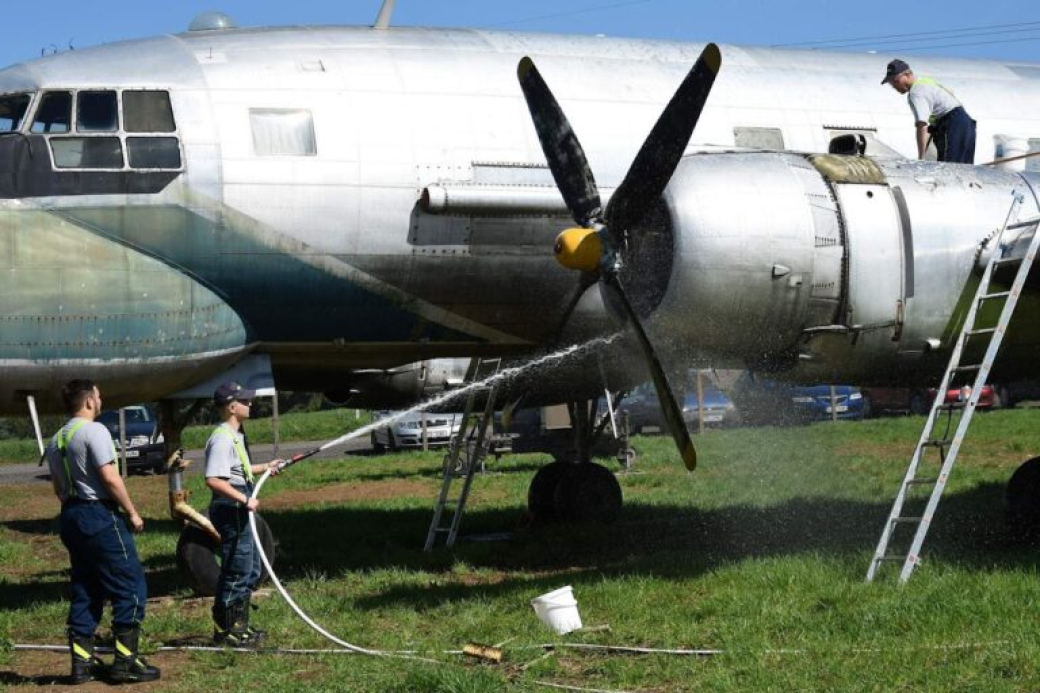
[[231, 626], [130, 667], [257, 634], [85, 665]]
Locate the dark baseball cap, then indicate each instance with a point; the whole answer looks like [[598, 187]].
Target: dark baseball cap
[[231, 391], [896, 67]]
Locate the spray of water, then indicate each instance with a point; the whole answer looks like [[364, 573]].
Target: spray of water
[[501, 376]]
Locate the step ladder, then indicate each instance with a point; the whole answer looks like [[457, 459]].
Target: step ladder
[[946, 447], [466, 453]]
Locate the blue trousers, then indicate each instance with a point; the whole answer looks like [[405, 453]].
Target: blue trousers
[[239, 559], [954, 136], [105, 567]]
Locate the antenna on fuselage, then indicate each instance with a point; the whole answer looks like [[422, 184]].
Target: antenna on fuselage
[[383, 20]]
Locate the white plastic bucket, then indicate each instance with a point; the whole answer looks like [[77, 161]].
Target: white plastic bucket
[[558, 610]]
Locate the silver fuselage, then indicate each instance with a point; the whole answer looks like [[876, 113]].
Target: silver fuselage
[[319, 254]]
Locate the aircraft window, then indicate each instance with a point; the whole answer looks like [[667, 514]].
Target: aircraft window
[[759, 138], [12, 111], [147, 111], [153, 152], [54, 113], [96, 111], [282, 132], [87, 152]]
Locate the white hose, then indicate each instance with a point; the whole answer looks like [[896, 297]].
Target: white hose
[[299, 612]]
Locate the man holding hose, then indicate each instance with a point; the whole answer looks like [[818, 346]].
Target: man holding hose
[[229, 475]]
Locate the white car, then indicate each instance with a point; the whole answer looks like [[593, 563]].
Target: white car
[[407, 431]]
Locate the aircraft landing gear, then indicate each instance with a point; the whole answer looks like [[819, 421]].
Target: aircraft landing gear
[[577, 489]]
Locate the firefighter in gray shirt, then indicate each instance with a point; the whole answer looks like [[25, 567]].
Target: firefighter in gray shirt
[[229, 475], [97, 518], [937, 112]]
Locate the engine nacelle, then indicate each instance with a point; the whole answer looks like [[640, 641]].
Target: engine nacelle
[[822, 266], [400, 386]]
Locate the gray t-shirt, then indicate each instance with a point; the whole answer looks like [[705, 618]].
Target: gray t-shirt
[[89, 449], [222, 459], [930, 101]]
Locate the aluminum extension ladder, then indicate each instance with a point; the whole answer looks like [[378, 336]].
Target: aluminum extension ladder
[[946, 447], [466, 452]]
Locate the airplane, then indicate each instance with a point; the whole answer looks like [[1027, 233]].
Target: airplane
[[313, 204]]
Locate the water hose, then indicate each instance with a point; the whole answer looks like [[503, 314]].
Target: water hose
[[289, 600], [441, 399]]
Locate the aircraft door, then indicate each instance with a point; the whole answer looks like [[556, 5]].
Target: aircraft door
[[876, 273]]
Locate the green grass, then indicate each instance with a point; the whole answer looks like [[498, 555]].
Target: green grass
[[760, 553]]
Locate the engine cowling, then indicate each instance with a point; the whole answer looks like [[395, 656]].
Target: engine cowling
[[822, 266]]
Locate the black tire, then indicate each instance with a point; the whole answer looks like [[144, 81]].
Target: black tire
[[918, 403], [1023, 502], [588, 493], [376, 445], [197, 557], [541, 494], [392, 441]]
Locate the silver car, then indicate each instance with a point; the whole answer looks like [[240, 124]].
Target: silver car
[[407, 431]]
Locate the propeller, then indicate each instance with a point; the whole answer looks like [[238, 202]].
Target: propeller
[[594, 247]]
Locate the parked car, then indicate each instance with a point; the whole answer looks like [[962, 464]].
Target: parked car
[[1012, 393], [919, 400], [644, 409], [407, 431], [822, 402], [145, 452], [765, 401]]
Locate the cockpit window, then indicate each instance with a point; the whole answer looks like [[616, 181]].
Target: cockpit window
[[54, 113], [96, 111], [147, 111], [12, 111], [87, 152]]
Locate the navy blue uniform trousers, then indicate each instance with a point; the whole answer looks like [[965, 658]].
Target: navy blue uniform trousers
[[105, 567], [954, 135], [239, 559]]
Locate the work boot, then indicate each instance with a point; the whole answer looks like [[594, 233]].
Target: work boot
[[231, 625], [85, 665], [128, 666], [257, 634]]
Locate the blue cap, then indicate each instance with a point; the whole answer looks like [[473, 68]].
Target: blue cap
[[896, 67], [231, 391]]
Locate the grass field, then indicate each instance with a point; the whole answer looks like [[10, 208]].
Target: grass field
[[760, 554]]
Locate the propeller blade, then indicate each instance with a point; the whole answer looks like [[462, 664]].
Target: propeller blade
[[660, 154], [669, 407], [562, 149]]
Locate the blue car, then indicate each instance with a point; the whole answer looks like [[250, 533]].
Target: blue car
[[644, 410], [764, 401], [815, 402]]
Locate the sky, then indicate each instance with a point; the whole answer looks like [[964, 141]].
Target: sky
[[1000, 29]]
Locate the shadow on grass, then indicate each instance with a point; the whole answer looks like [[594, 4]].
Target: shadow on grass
[[663, 541], [10, 678]]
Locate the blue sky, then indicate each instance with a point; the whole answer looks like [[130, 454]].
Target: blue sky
[[1002, 29]]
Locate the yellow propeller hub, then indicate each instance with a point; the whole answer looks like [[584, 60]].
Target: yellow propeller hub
[[579, 249]]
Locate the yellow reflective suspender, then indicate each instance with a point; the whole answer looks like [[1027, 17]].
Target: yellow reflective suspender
[[935, 83], [62, 441], [247, 470]]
